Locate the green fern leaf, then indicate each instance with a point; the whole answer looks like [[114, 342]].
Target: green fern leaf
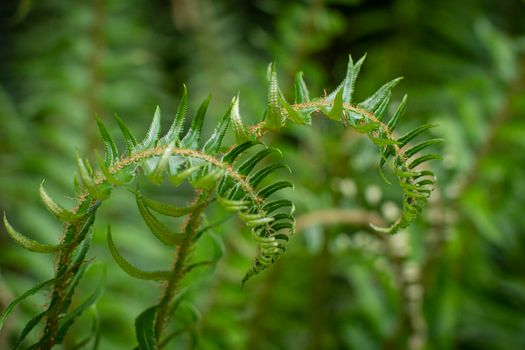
[[374, 101], [131, 141], [270, 189], [110, 149], [250, 163], [145, 329], [28, 243], [169, 209], [158, 173], [392, 123], [5, 313], [258, 176], [214, 143], [294, 115], [423, 159], [152, 136], [241, 134], [301, 91], [336, 113], [193, 136], [352, 72], [419, 147], [68, 320], [56, 209], [160, 231], [237, 150], [403, 140], [177, 126], [130, 269], [274, 118]]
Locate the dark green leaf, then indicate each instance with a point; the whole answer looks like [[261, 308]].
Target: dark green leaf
[[413, 150], [422, 159], [270, 189], [145, 329], [258, 176], [403, 140], [250, 163], [392, 123], [237, 150], [5, 313]]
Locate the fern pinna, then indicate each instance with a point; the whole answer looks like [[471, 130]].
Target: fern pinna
[[227, 175]]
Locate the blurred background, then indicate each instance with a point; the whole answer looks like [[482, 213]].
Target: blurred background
[[453, 280]]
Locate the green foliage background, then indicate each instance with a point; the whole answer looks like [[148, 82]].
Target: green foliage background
[[455, 279]]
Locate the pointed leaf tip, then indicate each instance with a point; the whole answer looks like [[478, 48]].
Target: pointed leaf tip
[[110, 148], [193, 136], [213, 144], [54, 208], [241, 133], [352, 72], [274, 118], [28, 243], [152, 136], [302, 94], [131, 141], [177, 126]]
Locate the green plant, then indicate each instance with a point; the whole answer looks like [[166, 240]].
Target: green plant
[[216, 173]]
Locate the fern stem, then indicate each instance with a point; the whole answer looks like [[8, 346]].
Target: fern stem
[[179, 270], [158, 151], [75, 233]]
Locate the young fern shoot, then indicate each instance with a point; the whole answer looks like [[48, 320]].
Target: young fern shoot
[[230, 175]]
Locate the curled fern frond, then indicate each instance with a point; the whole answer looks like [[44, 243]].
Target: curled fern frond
[[367, 117], [270, 227]]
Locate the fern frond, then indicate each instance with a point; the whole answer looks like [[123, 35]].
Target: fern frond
[[367, 117]]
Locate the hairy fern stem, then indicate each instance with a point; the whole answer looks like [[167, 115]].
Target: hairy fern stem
[[67, 269], [165, 306]]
